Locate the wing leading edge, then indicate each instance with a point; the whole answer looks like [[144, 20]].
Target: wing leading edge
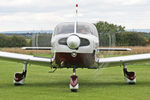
[[113, 61], [28, 58], [114, 49], [36, 48]]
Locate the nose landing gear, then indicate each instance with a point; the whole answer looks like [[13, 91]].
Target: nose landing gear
[[74, 86]]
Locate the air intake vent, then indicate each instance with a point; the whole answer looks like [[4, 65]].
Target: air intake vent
[[84, 42], [63, 41]]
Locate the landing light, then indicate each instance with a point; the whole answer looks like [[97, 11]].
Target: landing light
[[74, 54]]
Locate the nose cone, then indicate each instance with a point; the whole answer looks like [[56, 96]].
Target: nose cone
[[73, 42]]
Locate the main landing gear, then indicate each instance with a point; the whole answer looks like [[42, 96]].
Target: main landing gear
[[74, 86], [130, 77], [19, 78]]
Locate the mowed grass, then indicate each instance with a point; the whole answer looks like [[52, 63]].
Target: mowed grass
[[101, 84]]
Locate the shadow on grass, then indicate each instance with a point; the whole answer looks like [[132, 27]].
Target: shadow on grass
[[47, 84], [98, 84], [143, 83], [85, 84], [62, 84]]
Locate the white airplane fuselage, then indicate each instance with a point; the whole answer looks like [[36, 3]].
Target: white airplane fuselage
[[75, 49]]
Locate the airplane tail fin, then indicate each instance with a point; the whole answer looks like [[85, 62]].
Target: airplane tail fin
[[76, 18]]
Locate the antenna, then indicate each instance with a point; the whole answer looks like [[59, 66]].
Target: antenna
[[76, 16]]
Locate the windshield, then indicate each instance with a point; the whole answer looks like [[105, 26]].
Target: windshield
[[68, 27]]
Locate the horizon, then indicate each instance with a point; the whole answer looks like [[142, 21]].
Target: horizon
[[50, 31]]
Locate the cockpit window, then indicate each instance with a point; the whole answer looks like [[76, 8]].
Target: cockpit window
[[64, 29], [85, 28]]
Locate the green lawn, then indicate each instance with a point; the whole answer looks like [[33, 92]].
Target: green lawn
[[102, 84]]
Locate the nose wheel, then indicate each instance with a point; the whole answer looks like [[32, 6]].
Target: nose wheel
[[74, 86]]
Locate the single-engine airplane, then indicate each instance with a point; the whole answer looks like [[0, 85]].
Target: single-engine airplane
[[75, 45]]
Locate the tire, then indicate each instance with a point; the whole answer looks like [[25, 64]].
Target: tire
[[73, 90]]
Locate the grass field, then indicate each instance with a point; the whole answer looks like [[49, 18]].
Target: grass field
[[102, 84]]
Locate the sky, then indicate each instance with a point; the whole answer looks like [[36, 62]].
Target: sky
[[16, 15]]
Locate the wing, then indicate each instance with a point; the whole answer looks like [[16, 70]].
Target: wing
[[114, 49], [36, 48], [113, 61], [28, 58]]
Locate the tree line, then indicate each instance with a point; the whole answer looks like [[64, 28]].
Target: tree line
[[109, 35], [12, 41], [116, 35]]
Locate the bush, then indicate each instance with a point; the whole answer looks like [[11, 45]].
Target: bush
[[12, 41], [130, 39]]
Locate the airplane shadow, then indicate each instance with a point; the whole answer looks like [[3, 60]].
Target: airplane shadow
[[47, 84], [62, 84], [85, 84]]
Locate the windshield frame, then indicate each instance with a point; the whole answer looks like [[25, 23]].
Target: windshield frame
[[82, 27]]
